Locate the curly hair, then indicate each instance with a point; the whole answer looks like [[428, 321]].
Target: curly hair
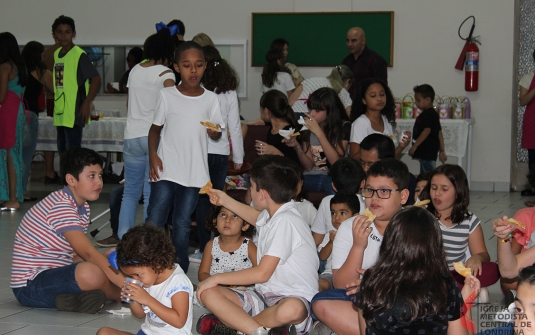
[[146, 245], [211, 222], [358, 108], [272, 67], [219, 76]]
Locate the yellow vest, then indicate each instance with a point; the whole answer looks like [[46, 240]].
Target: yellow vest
[[66, 86]]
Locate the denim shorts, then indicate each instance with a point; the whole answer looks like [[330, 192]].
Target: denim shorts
[[333, 294], [42, 290]]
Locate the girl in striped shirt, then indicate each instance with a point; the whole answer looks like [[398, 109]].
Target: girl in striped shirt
[[461, 230]]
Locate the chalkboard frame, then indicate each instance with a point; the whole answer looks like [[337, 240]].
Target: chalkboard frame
[[259, 49]]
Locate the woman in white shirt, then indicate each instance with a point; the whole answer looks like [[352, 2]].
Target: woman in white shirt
[[273, 75]]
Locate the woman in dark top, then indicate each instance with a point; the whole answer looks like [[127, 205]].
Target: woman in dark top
[[38, 75], [410, 290], [276, 111]]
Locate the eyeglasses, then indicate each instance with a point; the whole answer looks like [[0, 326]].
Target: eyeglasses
[[383, 193]]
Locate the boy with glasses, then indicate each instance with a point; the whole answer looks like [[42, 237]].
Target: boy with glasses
[[357, 244]]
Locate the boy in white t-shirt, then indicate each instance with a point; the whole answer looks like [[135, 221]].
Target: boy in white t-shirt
[[286, 276], [343, 207], [357, 244], [179, 159]]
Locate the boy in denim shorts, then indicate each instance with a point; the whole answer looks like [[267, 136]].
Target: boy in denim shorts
[[54, 264], [286, 276]]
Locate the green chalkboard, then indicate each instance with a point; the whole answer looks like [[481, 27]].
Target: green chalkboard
[[319, 39]]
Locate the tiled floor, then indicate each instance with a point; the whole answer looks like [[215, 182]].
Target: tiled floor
[[18, 320]]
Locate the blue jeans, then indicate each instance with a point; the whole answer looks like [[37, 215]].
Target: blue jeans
[[427, 165], [319, 182], [41, 292], [69, 138], [166, 196], [333, 294], [29, 142], [218, 166], [136, 175]]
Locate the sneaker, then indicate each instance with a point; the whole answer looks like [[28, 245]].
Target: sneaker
[[483, 297], [53, 180], [108, 242], [321, 329], [222, 329], [206, 324], [89, 302], [282, 331], [196, 257]]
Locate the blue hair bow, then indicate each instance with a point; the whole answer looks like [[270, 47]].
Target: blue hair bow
[[112, 259], [172, 29]]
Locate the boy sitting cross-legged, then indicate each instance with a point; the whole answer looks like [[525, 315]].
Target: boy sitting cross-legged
[[286, 276], [54, 263]]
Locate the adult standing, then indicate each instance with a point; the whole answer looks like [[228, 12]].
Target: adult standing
[[364, 62], [527, 94]]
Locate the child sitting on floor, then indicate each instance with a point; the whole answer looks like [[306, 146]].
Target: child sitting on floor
[[286, 276], [147, 255], [54, 263], [343, 206], [233, 249]]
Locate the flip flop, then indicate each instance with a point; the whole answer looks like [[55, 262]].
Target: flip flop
[[89, 302], [8, 209]]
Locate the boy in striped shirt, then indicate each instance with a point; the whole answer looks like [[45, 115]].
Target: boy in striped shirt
[[54, 264]]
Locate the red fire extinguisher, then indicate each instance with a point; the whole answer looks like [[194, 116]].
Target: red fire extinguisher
[[471, 74]]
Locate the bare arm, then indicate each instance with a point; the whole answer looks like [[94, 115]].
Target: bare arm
[[246, 212], [176, 316], [526, 96], [476, 243], [318, 238], [354, 150], [251, 252], [206, 262], [156, 165], [5, 70], [442, 153], [85, 109], [47, 80], [83, 248], [295, 95]]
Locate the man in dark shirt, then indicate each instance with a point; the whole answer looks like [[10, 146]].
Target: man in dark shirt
[[364, 62]]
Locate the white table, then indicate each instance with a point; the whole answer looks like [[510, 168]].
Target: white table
[[457, 139], [106, 134]]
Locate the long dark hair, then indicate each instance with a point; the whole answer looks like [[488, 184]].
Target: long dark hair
[[272, 67], [9, 52], [219, 76], [326, 99], [411, 268], [32, 55], [457, 177], [277, 103], [358, 108]]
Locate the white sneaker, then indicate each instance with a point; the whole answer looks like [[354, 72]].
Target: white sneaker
[[196, 257]]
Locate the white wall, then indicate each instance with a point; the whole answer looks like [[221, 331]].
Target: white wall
[[426, 48]]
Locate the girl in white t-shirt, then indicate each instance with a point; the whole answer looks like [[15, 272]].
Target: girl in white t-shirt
[[179, 158], [233, 249], [145, 81], [220, 78], [373, 112], [273, 75], [163, 294], [325, 141]]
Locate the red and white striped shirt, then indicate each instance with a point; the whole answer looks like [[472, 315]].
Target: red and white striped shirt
[[39, 242]]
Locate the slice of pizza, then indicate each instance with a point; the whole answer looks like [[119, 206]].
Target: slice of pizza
[[210, 125], [295, 134], [422, 203], [369, 214], [206, 188], [516, 223], [461, 269]]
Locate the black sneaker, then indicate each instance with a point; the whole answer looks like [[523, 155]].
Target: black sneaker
[[53, 180], [222, 329], [108, 242], [89, 302]]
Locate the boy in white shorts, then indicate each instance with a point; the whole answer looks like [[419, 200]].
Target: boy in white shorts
[[286, 276]]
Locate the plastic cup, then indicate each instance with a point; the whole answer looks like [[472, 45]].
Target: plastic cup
[[125, 296]]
